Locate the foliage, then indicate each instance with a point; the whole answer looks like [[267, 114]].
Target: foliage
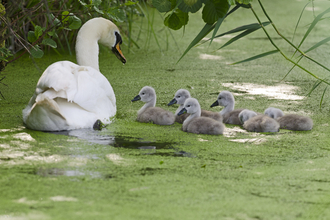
[[33, 25]]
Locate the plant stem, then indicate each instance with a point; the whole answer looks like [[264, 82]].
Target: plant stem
[[272, 42], [277, 31]]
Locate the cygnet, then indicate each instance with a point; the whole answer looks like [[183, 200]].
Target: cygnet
[[230, 116], [258, 123], [197, 124], [150, 113], [180, 97], [292, 122]]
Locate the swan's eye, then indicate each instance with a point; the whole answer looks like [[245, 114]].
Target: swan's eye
[[188, 106], [142, 93], [179, 96]]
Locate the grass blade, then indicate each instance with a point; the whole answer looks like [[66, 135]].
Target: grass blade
[[323, 96], [316, 84], [295, 29], [256, 57]]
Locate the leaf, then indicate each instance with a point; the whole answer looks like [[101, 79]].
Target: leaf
[[31, 36], [256, 57], [190, 5], [162, 5], [245, 2], [231, 2], [117, 14], [323, 96], [318, 44], [37, 31], [53, 19], [173, 21], [213, 10], [249, 29], [128, 3], [65, 16], [96, 2], [98, 10], [36, 52], [206, 29], [49, 42], [313, 25], [74, 22]]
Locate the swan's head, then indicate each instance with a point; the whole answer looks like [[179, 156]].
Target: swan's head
[[225, 98], [191, 106], [111, 38], [274, 112], [180, 97], [146, 94], [246, 114]]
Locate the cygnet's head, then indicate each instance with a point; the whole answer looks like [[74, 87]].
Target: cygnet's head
[[191, 106], [180, 97], [225, 98], [106, 32], [146, 94], [246, 114], [274, 112]]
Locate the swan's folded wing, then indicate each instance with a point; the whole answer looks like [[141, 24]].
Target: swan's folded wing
[[60, 77]]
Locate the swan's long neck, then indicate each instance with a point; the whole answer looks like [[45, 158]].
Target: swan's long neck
[[87, 48], [228, 108], [191, 117], [151, 103]]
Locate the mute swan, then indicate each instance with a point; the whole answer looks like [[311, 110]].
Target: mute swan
[[197, 124], [180, 97], [258, 123], [291, 121], [230, 116], [150, 113], [70, 96]]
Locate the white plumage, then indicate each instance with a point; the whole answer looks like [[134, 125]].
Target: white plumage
[[70, 96]]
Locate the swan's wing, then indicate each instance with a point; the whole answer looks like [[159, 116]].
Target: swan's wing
[[59, 76]]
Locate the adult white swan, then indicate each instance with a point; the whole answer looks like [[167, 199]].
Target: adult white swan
[[70, 96]]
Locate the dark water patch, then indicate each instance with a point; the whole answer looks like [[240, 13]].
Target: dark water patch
[[120, 141]]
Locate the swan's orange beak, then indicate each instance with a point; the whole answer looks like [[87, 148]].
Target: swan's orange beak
[[119, 54]]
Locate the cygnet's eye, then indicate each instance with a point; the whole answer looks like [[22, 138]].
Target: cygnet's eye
[[178, 96], [142, 93], [188, 106]]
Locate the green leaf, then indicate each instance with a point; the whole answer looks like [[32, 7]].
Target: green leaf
[[315, 21], [74, 22], [37, 31], [36, 52], [318, 44], [31, 36], [245, 2], [162, 5], [231, 2], [65, 16], [190, 5], [128, 3], [256, 57], [117, 14], [248, 30], [213, 10], [173, 21], [49, 42], [98, 10], [96, 2], [206, 29], [53, 19]]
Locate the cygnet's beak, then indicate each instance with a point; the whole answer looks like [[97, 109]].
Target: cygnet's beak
[[172, 102], [136, 98], [182, 111], [119, 54], [216, 103]]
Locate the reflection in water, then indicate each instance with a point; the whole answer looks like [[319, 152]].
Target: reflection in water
[[118, 141]]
